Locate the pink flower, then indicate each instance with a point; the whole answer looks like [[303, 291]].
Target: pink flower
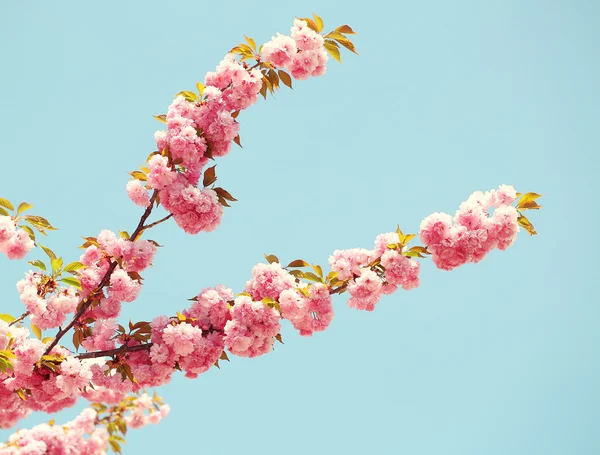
[[252, 328], [7, 229], [365, 291], [211, 309], [268, 280], [279, 50], [181, 337], [122, 287], [306, 39], [307, 314], [18, 245], [400, 270], [194, 210], [348, 263], [160, 174], [138, 193]]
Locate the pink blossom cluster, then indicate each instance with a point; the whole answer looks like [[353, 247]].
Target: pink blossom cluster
[[14, 243], [47, 302], [79, 436], [206, 127], [49, 389], [194, 210], [142, 411], [302, 54], [187, 345], [252, 328], [366, 281], [400, 270], [211, 308], [473, 232], [308, 312], [134, 257], [268, 281], [347, 263]]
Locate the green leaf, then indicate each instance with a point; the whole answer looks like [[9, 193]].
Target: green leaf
[[523, 221], [190, 96], [271, 258], [7, 317], [311, 24], [333, 49], [6, 203], [298, 263], [312, 276], [343, 41], [124, 235], [200, 87], [71, 281], [39, 264], [3, 211], [318, 269], [251, 42], [36, 331], [23, 206], [139, 175], [345, 29], [56, 264], [48, 251], [74, 266], [30, 232], [39, 221], [319, 23], [161, 118]]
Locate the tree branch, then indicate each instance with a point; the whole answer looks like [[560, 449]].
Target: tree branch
[[85, 304], [148, 226], [111, 352], [19, 319]]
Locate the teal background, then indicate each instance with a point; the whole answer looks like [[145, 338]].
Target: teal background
[[445, 98]]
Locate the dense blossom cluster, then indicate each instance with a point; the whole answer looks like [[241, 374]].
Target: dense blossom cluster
[[42, 375], [133, 257], [202, 128], [14, 243], [80, 436], [302, 54], [246, 325], [51, 386], [309, 311], [473, 232], [47, 302], [87, 434]]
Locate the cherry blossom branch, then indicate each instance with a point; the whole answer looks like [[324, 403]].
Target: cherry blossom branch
[[86, 303], [19, 319], [117, 351], [151, 225]]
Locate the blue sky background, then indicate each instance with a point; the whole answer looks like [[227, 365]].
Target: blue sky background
[[445, 98]]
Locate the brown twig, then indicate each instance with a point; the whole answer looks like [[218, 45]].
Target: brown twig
[[19, 319], [111, 352], [85, 304], [151, 225]]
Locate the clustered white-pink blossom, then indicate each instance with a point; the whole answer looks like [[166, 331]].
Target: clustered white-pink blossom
[[80, 436], [302, 54], [473, 232], [14, 243], [205, 128], [48, 304]]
